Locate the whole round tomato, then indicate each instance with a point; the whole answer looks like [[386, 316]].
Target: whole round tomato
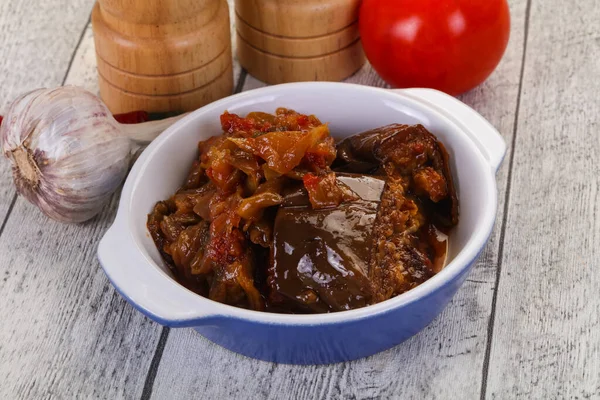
[[449, 45]]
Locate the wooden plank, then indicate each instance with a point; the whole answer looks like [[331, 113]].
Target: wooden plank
[[65, 331], [73, 336], [83, 71], [546, 343], [37, 38], [443, 361], [237, 70]]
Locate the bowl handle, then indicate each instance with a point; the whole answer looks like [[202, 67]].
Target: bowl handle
[[150, 290], [487, 139]]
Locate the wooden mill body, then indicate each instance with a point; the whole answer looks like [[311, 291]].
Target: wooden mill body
[[299, 40], [159, 55]]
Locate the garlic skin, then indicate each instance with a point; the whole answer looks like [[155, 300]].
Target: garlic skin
[[68, 152]]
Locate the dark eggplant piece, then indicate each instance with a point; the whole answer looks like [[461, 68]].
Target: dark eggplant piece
[[410, 152], [319, 258], [419, 195], [365, 187], [358, 153]]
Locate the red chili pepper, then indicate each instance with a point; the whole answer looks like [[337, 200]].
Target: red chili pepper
[[134, 117], [311, 181]]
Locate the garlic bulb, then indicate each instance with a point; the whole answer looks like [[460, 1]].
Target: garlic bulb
[[68, 153]]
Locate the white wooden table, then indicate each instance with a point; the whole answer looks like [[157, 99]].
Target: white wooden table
[[525, 325]]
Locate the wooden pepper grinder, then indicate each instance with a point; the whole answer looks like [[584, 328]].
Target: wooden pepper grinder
[[162, 55], [299, 40]]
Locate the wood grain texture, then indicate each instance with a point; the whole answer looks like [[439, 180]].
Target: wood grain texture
[[159, 12], [121, 101], [83, 70], [65, 332], [168, 61], [237, 69], [35, 51], [297, 47], [445, 361], [166, 84], [84, 73], [546, 343], [72, 336], [276, 69], [298, 18], [176, 48]]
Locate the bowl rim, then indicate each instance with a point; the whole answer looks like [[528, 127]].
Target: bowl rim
[[211, 309]]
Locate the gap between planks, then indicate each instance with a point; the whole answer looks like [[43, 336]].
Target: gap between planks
[[158, 355], [164, 335], [239, 80], [236, 376], [14, 198], [239, 86], [447, 355], [490, 332]]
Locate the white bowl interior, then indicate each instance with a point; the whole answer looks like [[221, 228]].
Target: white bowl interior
[[164, 165]]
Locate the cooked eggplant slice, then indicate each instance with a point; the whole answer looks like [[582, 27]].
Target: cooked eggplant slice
[[320, 258], [408, 151], [274, 216]]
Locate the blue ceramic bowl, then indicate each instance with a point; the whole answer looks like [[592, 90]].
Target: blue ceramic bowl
[[134, 266]]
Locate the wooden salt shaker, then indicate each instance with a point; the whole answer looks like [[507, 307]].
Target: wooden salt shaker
[[159, 56], [299, 40]]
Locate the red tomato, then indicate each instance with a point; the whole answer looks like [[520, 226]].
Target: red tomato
[[450, 45]]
